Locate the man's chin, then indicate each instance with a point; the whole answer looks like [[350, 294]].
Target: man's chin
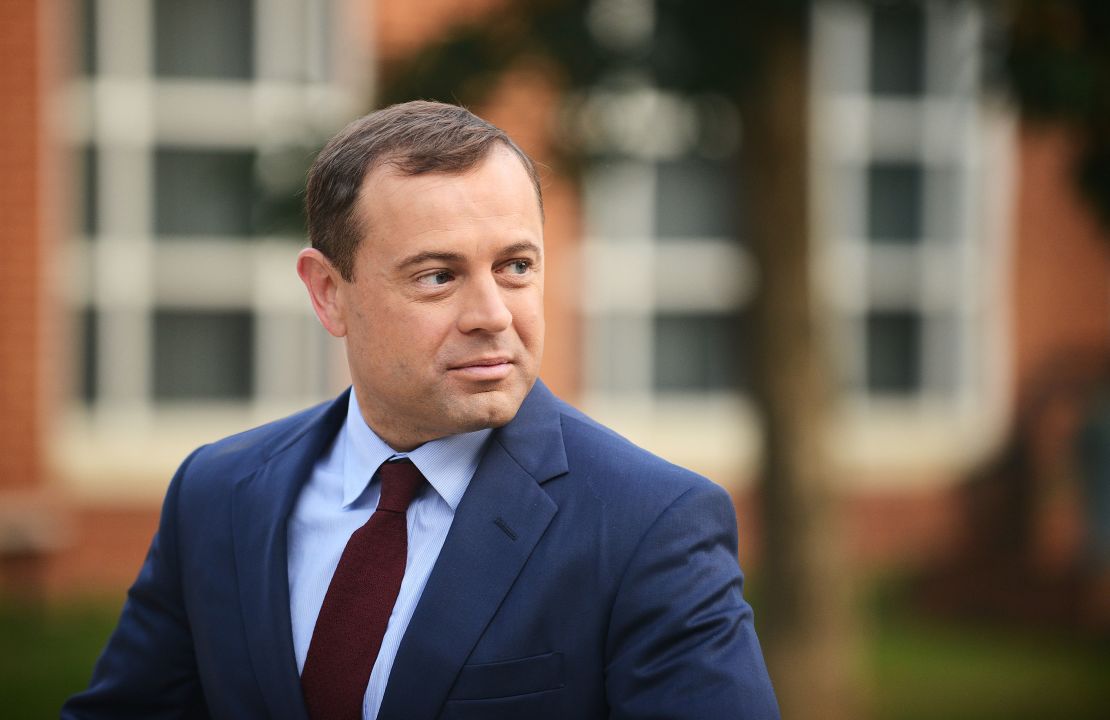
[[491, 409]]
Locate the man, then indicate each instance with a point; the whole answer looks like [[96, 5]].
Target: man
[[447, 539]]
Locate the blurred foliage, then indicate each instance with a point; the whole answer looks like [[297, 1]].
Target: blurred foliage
[[1058, 64], [279, 188], [48, 653], [463, 64], [1057, 58], [692, 49]]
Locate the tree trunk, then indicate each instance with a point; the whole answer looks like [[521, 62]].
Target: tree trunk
[[805, 618]]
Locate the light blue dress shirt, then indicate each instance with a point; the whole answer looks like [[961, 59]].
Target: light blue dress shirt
[[339, 498]]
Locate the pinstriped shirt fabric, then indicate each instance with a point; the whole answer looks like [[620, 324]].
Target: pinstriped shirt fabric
[[339, 498]]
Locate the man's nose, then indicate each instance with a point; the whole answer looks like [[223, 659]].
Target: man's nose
[[484, 308]]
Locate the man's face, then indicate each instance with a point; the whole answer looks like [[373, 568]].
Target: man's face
[[444, 317]]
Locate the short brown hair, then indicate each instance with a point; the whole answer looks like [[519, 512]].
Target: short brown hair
[[413, 138]]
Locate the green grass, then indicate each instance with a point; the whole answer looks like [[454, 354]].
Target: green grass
[[918, 669], [921, 670], [47, 654]]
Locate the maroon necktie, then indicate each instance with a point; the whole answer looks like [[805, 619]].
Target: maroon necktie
[[356, 609]]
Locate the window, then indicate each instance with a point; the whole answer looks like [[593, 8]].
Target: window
[[697, 198], [667, 274], [203, 192], [895, 193], [905, 248], [184, 219], [204, 39], [87, 194], [893, 352], [898, 51], [666, 278], [698, 352], [203, 354], [900, 228], [86, 37], [86, 330]]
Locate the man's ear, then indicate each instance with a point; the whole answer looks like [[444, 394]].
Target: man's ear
[[323, 283]]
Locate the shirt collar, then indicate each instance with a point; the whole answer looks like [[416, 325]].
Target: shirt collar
[[447, 463]]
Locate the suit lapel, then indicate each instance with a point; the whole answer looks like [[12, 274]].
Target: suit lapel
[[260, 511], [502, 516]]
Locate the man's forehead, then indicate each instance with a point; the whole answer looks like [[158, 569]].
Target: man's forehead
[[388, 183], [411, 219]]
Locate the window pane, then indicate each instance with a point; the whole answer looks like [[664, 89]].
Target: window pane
[[201, 192], [893, 352], [87, 323], [697, 198], [894, 199], [898, 49], [698, 352], [203, 354], [88, 192], [86, 60], [204, 38]]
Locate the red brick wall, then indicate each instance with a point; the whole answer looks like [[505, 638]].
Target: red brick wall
[[21, 245], [107, 546], [1061, 289]]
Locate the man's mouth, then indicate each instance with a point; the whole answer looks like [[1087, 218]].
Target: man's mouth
[[487, 368]]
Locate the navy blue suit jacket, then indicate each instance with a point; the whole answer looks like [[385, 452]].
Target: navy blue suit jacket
[[582, 578]]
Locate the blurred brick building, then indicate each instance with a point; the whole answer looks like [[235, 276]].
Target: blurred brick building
[[148, 301]]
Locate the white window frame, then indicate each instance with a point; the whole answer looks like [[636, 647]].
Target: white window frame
[[933, 435], [307, 82], [921, 439]]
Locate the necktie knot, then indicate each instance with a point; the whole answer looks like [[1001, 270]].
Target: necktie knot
[[401, 481]]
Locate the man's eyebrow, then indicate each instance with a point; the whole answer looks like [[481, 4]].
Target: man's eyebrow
[[517, 248], [524, 246], [430, 256]]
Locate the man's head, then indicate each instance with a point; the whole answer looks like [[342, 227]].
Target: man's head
[[413, 138], [427, 257]]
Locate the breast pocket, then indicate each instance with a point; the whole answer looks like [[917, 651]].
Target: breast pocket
[[526, 687], [508, 678]]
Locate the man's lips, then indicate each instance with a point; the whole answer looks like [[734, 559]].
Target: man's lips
[[494, 368]]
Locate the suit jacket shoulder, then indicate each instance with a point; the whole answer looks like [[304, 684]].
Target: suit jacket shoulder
[[620, 475], [619, 459], [231, 458]]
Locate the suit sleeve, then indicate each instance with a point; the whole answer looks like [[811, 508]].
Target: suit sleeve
[[148, 668], [682, 642]]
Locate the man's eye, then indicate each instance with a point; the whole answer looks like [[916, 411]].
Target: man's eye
[[519, 267], [437, 278]]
